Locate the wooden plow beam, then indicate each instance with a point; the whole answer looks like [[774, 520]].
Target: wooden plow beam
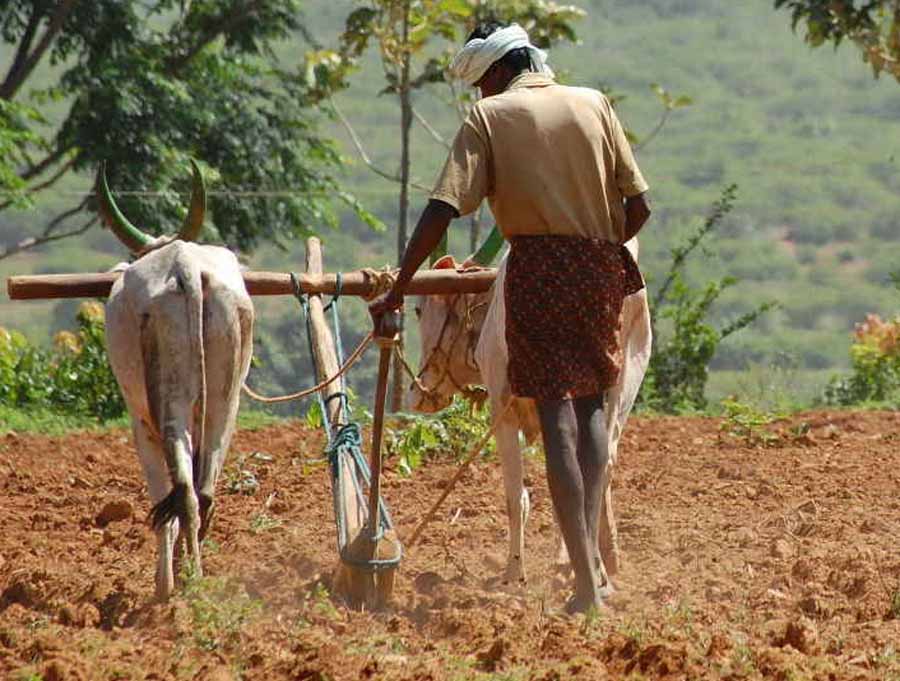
[[357, 283]]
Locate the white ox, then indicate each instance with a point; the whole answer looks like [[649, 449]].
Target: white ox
[[464, 343], [179, 334]]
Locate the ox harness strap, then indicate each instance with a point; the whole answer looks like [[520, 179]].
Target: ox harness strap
[[466, 327]]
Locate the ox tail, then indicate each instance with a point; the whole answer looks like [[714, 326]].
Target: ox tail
[[177, 504], [174, 505], [195, 310]]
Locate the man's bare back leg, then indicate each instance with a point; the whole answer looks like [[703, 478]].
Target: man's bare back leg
[[592, 460], [560, 430]]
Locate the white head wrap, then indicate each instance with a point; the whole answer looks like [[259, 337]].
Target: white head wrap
[[477, 55]]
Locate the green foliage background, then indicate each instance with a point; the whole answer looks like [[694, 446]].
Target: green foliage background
[[810, 138]]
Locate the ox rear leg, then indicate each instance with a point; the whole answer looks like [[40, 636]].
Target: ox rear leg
[[181, 502], [609, 535], [207, 511], [517, 502], [228, 344], [159, 486]]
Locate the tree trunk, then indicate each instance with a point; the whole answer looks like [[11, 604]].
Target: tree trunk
[[406, 118]]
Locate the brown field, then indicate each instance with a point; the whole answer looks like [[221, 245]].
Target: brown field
[[740, 560]]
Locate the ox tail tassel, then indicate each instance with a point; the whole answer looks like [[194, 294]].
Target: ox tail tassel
[[370, 559]]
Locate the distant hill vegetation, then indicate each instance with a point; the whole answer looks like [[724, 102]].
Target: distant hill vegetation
[[810, 138]]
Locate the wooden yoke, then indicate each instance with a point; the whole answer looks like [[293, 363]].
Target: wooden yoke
[[358, 283]]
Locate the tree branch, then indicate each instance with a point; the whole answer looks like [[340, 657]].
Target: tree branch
[[461, 111], [656, 130], [431, 131], [35, 170], [56, 176], [362, 152], [43, 185], [24, 46], [721, 208], [227, 23], [11, 85], [49, 234]]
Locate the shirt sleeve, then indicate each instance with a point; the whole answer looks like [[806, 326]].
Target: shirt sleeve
[[465, 180], [629, 179]]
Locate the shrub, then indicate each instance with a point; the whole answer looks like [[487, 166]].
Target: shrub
[[679, 364], [449, 432], [23, 371], [875, 364], [73, 377], [874, 361], [83, 381]]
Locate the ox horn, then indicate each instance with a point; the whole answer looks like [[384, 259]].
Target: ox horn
[[439, 252], [133, 238], [486, 253], [193, 223]]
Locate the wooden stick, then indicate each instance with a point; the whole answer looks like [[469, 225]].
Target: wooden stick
[[86, 285], [326, 359], [324, 352]]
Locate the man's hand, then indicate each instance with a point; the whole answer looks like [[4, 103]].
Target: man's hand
[[470, 265], [427, 235], [392, 300], [637, 211]]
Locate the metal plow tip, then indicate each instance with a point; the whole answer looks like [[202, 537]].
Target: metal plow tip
[[368, 565]]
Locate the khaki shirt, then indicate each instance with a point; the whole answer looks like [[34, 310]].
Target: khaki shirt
[[550, 159]]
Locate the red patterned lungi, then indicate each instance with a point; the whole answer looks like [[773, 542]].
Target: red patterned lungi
[[563, 314]]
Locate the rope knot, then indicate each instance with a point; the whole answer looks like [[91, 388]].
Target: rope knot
[[381, 281]]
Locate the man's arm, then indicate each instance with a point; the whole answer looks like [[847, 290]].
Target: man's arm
[[428, 233], [637, 211]]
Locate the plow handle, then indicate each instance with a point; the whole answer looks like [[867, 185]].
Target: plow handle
[[388, 325], [387, 329]]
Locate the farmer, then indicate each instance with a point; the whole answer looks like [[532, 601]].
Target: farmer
[[566, 192]]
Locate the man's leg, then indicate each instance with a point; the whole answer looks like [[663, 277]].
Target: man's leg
[[592, 459], [559, 427]]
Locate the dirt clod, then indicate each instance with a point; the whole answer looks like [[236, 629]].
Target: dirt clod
[[801, 635], [781, 548], [114, 511], [427, 581]]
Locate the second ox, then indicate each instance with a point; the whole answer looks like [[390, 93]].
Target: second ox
[[463, 340]]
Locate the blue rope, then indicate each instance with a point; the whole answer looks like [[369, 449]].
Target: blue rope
[[346, 450]]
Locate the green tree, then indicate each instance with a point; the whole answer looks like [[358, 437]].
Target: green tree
[[144, 85], [873, 26]]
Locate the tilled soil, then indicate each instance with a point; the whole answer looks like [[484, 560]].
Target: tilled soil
[[765, 554]]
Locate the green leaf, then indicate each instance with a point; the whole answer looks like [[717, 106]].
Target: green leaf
[[458, 8]]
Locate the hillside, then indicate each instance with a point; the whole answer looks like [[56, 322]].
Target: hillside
[[810, 138]]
